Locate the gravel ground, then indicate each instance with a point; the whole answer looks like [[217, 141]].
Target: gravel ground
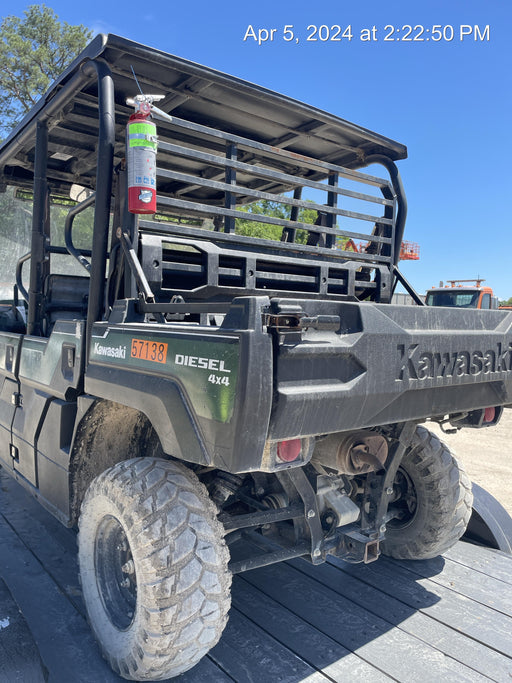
[[486, 455]]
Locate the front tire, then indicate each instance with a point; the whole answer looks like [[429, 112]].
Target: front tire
[[433, 501], [153, 568]]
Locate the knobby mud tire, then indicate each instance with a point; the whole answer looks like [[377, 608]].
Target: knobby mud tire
[[170, 546], [443, 501]]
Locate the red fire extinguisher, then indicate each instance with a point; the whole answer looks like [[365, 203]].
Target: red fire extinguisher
[[141, 145]]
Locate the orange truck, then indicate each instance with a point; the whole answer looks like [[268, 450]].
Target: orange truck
[[462, 294]]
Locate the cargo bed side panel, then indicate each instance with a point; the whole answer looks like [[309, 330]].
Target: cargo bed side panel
[[207, 392]]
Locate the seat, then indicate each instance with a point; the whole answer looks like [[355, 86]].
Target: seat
[[65, 297]]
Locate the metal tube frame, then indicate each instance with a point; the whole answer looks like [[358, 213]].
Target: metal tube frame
[[40, 248], [39, 242], [104, 178]]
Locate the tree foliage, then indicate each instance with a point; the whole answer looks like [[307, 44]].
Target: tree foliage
[[276, 209], [273, 209], [34, 50]]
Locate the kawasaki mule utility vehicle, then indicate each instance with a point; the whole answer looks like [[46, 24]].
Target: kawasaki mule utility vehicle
[[221, 385]]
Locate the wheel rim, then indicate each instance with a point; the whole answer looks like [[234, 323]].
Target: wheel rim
[[115, 573], [405, 502]]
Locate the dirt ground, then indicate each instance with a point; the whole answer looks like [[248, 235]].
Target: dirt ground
[[486, 455]]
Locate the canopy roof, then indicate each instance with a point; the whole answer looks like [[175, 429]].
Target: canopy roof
[[192, 92]]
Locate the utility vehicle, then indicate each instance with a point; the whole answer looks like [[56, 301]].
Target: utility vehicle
[[216, 387]]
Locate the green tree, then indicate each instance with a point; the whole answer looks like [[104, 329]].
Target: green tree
[[274, 209], [34, 50]]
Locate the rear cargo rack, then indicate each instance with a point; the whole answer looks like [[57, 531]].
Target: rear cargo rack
[[210, 176], [207, 180], [200, 269]]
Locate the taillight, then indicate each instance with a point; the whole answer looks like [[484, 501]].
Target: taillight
[[279, 455], [489, 415], [288, 451]]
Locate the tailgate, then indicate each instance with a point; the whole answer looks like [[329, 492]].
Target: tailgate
[[386, 364]]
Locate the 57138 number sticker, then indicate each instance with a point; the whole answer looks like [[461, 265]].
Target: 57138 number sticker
[[149, 350]]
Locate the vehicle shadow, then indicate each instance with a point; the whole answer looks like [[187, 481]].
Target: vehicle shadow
[[335, 618]]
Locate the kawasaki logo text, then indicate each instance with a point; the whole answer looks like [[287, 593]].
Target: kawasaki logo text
[[109, 351], [418, 364]]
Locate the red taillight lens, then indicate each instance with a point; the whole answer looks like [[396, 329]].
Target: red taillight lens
[[489, 415], [288, 451]]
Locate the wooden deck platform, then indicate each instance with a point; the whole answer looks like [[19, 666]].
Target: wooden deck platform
[[448, 619]]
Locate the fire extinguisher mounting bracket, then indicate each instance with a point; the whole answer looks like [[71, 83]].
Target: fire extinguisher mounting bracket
[[144, 104], [138, 99], [160, 114]]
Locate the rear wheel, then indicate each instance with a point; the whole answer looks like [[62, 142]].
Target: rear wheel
[[432, 501], [153, 568]]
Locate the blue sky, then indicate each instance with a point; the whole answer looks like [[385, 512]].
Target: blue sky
[[448, 100]]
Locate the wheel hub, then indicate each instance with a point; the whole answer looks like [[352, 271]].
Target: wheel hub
[[115, 573], [405, 501]]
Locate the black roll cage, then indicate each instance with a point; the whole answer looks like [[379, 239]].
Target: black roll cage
[[206, 170]]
